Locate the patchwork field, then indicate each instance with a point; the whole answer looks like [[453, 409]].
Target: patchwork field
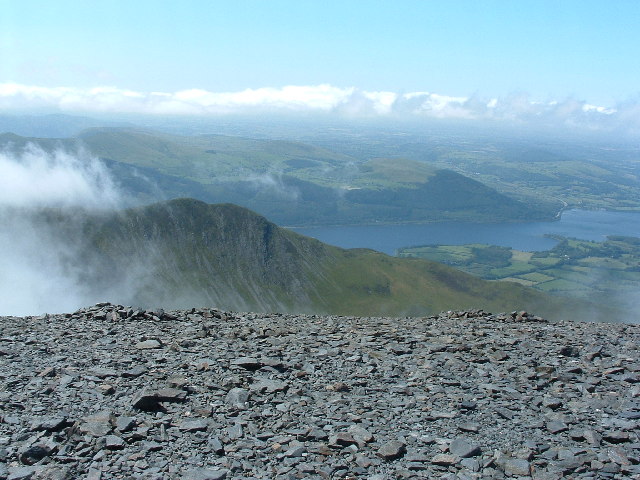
[[577, 268]]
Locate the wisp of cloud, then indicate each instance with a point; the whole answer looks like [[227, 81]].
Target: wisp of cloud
[[39, 271]]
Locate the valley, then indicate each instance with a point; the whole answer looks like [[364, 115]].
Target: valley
[[196, 247]]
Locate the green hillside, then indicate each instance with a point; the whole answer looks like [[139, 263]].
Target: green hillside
[[292, 183], [186, 253]]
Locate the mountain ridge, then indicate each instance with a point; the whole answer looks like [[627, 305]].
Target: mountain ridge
[[185, 252]]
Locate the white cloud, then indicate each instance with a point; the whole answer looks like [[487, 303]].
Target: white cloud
[[42, 270], [35, 178], [323, 98]]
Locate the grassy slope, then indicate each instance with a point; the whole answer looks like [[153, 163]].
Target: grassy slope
[[192, 253]]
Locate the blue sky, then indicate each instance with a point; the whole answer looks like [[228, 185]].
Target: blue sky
[[550, 50]]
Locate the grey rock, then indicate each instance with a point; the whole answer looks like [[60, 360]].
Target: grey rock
[[113, 442], [148, 345], [194, 425], [342, 439], [35, 453], [21, 473], [517, 466], [125, 424], [134, 372], [150, 400], [464, 448], [204, 474], [237, 398], [445, 459], [248, 363], [418, 381], [392, 450], [51, 424], [97, 425], [361, 434], [556, 426]]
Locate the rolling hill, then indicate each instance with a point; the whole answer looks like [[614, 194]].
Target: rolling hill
[[291, 183]]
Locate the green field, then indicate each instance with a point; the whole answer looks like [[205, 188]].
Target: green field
[[599, 271]]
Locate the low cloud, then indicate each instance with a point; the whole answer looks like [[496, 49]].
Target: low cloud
[[328, 99], [35, 178], [274, 184], [42, 197]]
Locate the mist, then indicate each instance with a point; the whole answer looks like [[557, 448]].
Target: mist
[[40, 266]]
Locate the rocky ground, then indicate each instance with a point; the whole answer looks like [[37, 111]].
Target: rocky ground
[[111, 392]]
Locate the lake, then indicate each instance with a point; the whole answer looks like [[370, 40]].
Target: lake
[[529, 236]]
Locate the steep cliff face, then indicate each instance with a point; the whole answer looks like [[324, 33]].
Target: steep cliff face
[[211, 254]]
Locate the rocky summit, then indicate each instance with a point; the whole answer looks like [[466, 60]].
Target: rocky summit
[[113, 392]]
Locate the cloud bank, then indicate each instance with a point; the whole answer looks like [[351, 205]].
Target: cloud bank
[[41, 269], [326, 99]]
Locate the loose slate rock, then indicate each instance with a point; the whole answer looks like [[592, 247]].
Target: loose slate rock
[[556, 426], [194, 426], [420, 381], [113, 442], [248, 363], [148, 345], [392, 450], [150, 400], [237, 398], [517, 466], [464, 448], [445, 459], [204, 474]]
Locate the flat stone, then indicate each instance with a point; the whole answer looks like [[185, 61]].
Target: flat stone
[[51, 424], [463, 448], [35, 453], [150, 400], [134, 372], [248, 363], [342, 439], [113, 442], [517, 466], [469, 427], [21, 473], [269, 385], [125, 424], [556, 426], [361, 435], [444, 459], [392, 450], [194, 426], [148, 345], [204, 474], [237, 398], [616, 437]]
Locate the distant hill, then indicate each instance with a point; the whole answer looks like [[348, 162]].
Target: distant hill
[[188, 253], [293, 183], [55, 125]]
